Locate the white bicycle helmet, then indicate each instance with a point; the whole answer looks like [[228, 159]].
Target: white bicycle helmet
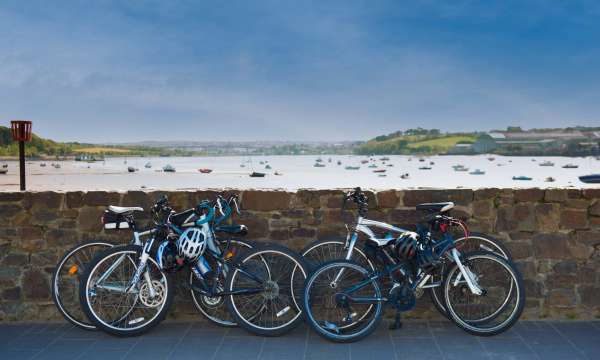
[[191, 243]]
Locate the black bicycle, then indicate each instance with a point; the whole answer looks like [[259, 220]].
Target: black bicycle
[[343, 300], [127, 290]]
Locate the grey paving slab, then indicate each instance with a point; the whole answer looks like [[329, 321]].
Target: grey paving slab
[[416, 340]]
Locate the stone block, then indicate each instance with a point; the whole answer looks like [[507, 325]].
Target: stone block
[[38, 285], [573, 219], [101, 198], [551, 246], [266, 200], [555, 195], [561, 298], [458, 196], [529, 195], [387, 199], [486, 194]]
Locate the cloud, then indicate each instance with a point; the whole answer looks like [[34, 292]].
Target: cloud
[[284, 70]]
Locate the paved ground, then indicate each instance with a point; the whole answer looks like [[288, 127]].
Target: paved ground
[[417, 340]]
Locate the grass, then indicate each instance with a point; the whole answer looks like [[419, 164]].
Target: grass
[[101, 150], [443, 142]]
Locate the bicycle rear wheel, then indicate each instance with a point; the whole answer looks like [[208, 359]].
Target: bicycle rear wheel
[[65, 281], [327, 305], [268, 282], [498, 307], [215, 308]]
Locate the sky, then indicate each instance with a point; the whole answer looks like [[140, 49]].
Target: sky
[[123, 71]]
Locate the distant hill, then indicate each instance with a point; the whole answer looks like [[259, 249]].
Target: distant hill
[[38, 146], [415, 141]]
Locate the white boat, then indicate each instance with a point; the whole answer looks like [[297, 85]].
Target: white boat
[[148, 165], [477, 172], [546, 163]]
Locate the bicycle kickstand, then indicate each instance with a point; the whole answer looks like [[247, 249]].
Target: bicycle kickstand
[[397, 321]]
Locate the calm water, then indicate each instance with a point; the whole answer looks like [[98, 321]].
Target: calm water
[[299, 172]]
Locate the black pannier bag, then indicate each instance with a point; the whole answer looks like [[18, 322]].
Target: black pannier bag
[[114, 221]]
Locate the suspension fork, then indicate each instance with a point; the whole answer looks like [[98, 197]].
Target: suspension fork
[[466, 273], [350, 243], [143, 270]]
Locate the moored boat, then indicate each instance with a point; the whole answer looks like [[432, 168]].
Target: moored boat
[[168, 168], [148, 165], [319, 165], [425, 168], [546, 163], [205, 171], [3, 171], [379, 171], [268, 167], [522, 178], [590, 179], [550, 179], [477, 172], [257, 174], [352, 167], [570, 166], [130, 169]]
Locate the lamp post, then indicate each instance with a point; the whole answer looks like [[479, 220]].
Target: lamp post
[[21, 132]]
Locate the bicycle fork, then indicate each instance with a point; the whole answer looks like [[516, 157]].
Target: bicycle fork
[[466, 273]]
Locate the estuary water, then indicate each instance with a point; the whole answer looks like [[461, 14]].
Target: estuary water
[[299, 172]]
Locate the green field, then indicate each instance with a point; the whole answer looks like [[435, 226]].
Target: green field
[[443, 142]]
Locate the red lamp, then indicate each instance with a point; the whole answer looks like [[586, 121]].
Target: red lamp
[[21, 132]]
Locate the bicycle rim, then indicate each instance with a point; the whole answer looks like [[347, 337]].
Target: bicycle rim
[[335, 318], [501, 302], [125, 311], [65, 282], [275, 307]]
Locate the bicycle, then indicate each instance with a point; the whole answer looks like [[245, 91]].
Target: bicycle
[[321, 251], [127, 298], [343, 300], [65, 278]]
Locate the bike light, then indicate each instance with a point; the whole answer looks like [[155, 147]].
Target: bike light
[[229, 254]]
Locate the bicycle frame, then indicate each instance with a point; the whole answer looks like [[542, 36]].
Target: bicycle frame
[[363, 226]]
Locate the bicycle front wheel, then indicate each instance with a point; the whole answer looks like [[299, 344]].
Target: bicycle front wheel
[[265, 285], [112, 304], [501, 302], [65, 281], [475, 242]]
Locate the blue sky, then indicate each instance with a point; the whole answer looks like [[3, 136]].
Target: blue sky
[[115, 71]]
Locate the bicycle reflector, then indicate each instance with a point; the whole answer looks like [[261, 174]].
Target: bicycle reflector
[[73, 269]]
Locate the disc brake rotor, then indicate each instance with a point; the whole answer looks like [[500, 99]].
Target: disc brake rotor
[[157, 300]]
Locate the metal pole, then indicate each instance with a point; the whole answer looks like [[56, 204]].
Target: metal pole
[[22, 163]]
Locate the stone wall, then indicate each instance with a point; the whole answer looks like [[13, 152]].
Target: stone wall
[[553, 234]]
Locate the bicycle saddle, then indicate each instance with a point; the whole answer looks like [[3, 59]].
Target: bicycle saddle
[[436, 207], [232, 229], [123, 210], [183, 217]]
